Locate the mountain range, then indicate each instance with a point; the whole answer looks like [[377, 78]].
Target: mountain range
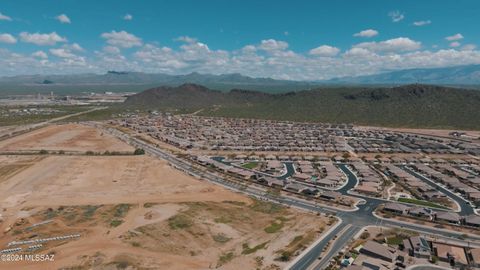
[[458, 75], [138, 81], [463, 76]]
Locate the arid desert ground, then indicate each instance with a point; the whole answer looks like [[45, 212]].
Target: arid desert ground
[[135, 211]]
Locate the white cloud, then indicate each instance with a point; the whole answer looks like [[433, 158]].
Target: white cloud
[[4, 17], [396, 16], [469, 47], [62, 53], [128, 17], [122, 39], [272, 45], [111, 50], [42, 39], [457, 36], [7, 38], [249, 49], [270, 58], [162, 58], [76, 47], [68, 57], [40, 54], [325, 50], [400, 44], [63, 18], [422, 23], [455, 44], [366, 33], [358, 52], [186, 39]]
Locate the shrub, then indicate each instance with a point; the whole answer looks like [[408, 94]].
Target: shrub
[[139, 151], [179, 222], [116, 222], [365, 235]]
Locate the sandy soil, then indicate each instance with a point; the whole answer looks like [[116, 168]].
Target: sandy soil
[[77, 180], [117, 203], [147, 237], [68, 137]]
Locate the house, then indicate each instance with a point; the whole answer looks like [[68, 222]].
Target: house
[[273, 166], [270, 181], [302, 176], [245, 174], [310, 191], [396, 208], [472, 221], [270, 157], [326, 182], [331, 195], [449, 217], [474, 197], [379, 251], [367, 189], [475, 257], [294, 187], [420, 212], [433, 195], [417, 246], [451, 254]]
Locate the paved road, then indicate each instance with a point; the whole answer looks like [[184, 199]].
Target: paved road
[[351, 180], [355, 220], [345, 237]]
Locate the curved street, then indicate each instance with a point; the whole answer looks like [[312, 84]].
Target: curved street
[[465, 207]]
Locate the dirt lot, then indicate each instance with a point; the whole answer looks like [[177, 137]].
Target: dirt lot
[[69, 137], [137, 212], [193, 235]]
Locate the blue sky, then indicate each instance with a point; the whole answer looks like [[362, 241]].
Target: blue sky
[[282, 39]]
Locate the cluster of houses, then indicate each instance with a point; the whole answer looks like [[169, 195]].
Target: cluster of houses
[[369, 181], [446, 217], [416, 187], [241, 134], [468, 184], [393, 142], [216, 133], [268, 178], [320, 173], [383, 256]]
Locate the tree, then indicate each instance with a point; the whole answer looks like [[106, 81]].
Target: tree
[[43, 152], [139, 151]]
